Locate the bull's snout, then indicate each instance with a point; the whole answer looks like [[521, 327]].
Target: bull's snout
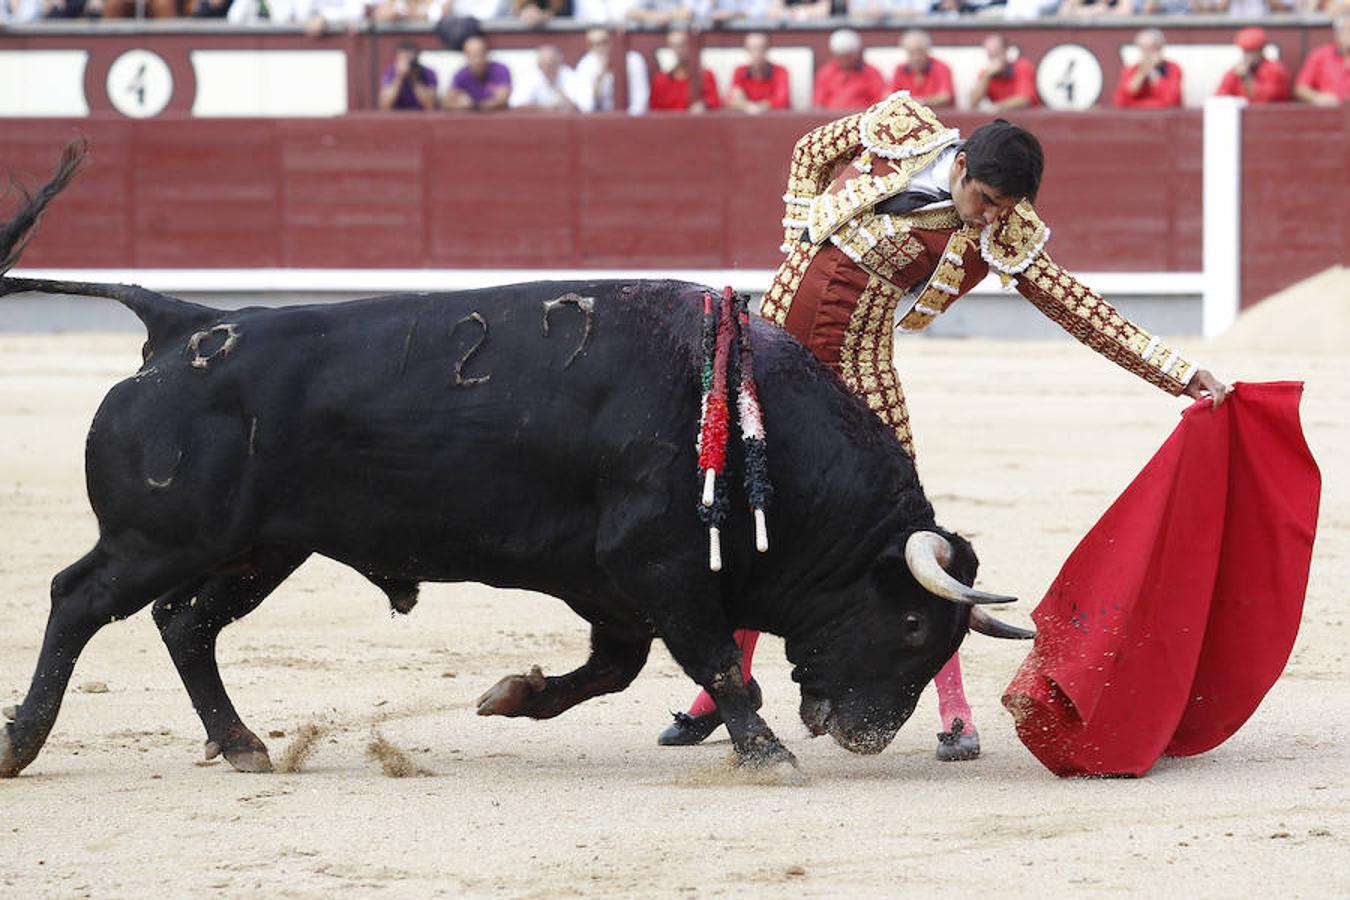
[[866, 736], [867, 740]]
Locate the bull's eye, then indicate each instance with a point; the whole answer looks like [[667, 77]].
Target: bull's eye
[[913, 624]]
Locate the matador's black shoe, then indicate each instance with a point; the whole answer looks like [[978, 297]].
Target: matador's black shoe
[[958, 745], [688, 730]]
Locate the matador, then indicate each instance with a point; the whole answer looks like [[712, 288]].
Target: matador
[[890, 219]]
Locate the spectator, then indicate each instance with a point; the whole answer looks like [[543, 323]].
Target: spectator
[[403, 11], [1152, 82], [1258, 79], [17, 12], [659, 13], [670, 90], [759, 85], [482, 10], [803, 10], [1027, 10], [114, 9], [927, 79], [846, 82], [534, 13], [1246, 9], [1324, 79], [207, 9], [406, 83], [1004, 83], [595, 81], [599, 12], [550, 87], [319, 14], [872, 12], [1090, 8], [480, 84]]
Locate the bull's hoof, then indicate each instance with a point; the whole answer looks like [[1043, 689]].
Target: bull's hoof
[[249, 760], [959, 744], [509, 696], [773, 765], [9, 766], [244, 752]]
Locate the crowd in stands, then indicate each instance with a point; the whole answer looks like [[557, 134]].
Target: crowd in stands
[[655, 13], [846, 81]]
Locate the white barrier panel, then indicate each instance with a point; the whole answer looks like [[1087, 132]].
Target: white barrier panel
[[279, 83], [43, 83]]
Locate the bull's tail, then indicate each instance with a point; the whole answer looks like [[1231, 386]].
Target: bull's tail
[[162, 315]]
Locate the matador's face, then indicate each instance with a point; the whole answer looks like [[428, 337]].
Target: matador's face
[[977, 203]]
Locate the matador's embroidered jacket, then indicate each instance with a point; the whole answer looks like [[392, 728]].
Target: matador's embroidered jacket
[[912, 267]]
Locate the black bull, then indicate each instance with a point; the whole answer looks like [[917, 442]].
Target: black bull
[[452, 437]]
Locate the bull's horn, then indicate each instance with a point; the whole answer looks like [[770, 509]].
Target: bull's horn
[[925, 552], [986, 624]]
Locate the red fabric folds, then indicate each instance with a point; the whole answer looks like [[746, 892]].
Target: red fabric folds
[[1176, 614]]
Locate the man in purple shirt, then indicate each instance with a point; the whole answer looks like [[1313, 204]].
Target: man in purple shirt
[[406, 83], [481, 84]]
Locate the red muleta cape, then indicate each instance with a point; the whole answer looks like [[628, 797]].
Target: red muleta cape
[[1176, 614]]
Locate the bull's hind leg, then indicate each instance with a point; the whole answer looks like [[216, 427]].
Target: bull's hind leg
[[192, 617], [111, 582], [615, 660]]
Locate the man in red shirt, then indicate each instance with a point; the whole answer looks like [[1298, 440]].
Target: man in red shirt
[[1324, 79], [846, 82], [1153, 82], [670, 90], [1004, 83], [759, 85], [1258, 79], [927, 79]]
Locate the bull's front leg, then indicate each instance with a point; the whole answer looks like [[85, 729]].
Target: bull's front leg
[[615, 660], [712, 659]]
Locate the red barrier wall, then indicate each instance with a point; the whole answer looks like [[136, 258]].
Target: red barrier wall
[[1295, 195], [1122, 191]]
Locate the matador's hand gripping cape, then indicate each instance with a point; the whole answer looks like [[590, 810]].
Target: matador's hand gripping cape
[[1176, 614], [922, 262]]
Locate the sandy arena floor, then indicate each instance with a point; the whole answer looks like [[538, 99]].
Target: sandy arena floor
[[1021, 447]]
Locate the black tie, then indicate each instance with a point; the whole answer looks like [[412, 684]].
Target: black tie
[[908, 201]]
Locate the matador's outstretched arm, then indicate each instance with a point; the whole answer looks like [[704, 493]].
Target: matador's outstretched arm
[[1083, 313]]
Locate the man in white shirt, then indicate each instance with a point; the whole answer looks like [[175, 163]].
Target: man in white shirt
[[550, 87], [595, 82]]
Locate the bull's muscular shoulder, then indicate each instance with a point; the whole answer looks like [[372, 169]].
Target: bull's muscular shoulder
[[1014, 239], [900, 127]]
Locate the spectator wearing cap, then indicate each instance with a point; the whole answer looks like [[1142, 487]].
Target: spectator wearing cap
[[846, 82], [1258, 79], [670, 90], [759, 85], [926, 78], [481, 84], [1324, 79], [1004, 82], [1152, 82]]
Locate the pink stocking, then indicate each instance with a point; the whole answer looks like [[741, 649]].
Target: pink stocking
[[952, 695], [704, 703]]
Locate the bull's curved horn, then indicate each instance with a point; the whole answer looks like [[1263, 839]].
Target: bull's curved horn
[[925, 553], [986, 624]]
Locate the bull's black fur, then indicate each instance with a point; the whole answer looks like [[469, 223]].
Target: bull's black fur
[[339, 430]]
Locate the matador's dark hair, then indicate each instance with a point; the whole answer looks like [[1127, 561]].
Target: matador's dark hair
[[1006, 157]]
